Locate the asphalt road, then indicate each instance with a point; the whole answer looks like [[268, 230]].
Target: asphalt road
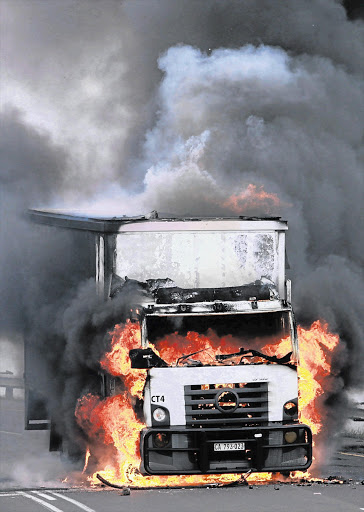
[[317, 498]]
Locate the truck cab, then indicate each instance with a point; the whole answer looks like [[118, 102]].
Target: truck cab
[[219, 396]]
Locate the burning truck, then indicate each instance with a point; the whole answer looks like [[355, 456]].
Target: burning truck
[[210, 302]]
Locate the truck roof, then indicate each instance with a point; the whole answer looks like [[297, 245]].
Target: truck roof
[[73, 219], [193, 251]]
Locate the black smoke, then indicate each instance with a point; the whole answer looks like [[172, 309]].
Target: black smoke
[[354, 9]]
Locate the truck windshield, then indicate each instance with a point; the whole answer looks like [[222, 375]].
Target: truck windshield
[[242, 338]]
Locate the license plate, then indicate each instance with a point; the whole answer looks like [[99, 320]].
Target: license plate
[[228, 447]]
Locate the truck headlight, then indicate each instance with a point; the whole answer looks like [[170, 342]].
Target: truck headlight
[[290, 408], [290, 437], [159, 414], [161, 439]]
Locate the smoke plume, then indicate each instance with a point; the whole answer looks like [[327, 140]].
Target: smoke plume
[[131, 106]]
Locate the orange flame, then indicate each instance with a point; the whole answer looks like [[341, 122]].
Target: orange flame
[[316, 350], [112, 421], [87, 456], [253, 200], [117, 362]]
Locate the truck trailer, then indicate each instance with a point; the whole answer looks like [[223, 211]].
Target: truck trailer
[[209, 411]]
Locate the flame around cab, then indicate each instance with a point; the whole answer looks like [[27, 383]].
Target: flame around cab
[[113, 421]]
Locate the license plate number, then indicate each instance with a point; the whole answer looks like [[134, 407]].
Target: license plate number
[[228, 447]]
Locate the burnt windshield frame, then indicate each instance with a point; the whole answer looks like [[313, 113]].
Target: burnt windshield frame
[[245, 326]]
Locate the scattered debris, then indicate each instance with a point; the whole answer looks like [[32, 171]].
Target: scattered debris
[[241, 481], [126, 490]]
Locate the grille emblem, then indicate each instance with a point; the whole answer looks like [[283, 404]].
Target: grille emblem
[[227, 401]]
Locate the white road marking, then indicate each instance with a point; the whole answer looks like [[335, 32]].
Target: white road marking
[[353, 455], [317, 493], [77, 503], [46, 496], [8, 494], [12, 433], [41, 502]]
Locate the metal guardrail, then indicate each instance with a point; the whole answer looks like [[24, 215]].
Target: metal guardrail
[[10, 383], [356, 412]]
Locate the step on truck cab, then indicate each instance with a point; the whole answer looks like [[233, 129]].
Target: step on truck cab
[[232, 405]]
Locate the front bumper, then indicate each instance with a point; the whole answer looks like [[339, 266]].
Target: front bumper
[[181, 450]]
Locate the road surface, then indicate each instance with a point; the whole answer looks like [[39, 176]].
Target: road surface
[[316, 498]]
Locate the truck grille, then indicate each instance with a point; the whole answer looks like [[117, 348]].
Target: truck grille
[[214, 405]]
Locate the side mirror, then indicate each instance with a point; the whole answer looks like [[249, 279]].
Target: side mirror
[[144, 358]]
